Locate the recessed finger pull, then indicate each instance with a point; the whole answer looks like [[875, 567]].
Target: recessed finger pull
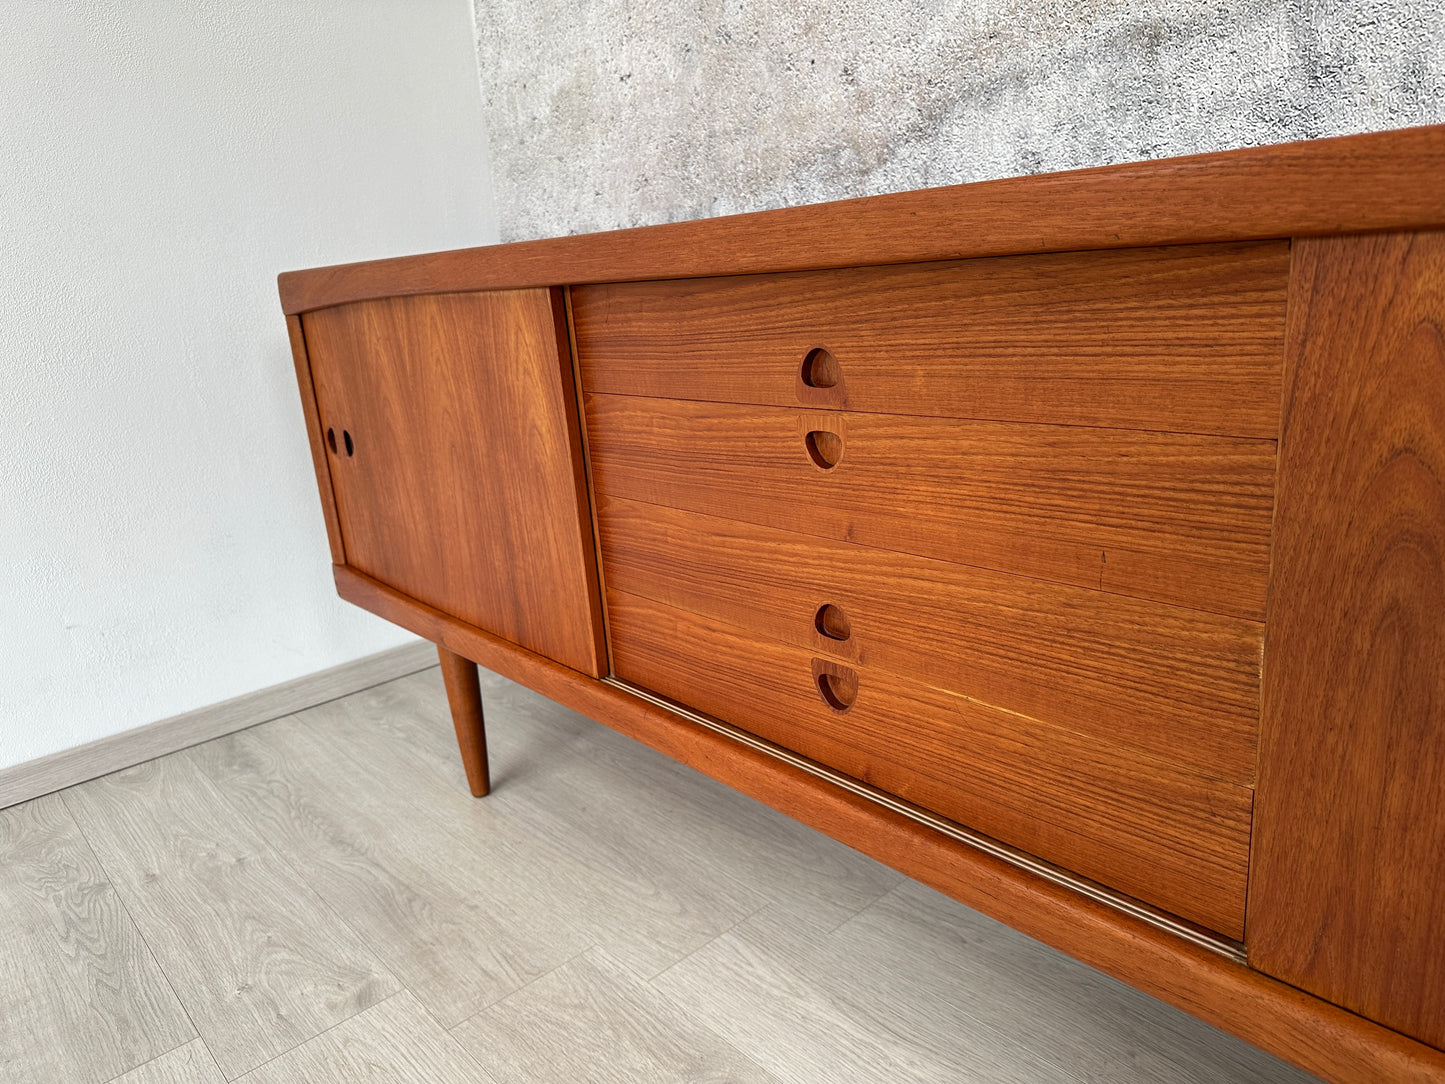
[[820, 369], [331, 440], [346, 437], [832, 622], [837, 685], [824, 448]]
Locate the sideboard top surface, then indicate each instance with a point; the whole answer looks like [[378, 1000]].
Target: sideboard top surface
[[1348, 184]]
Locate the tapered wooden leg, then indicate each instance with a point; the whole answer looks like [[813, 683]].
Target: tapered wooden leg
[[464, 694]]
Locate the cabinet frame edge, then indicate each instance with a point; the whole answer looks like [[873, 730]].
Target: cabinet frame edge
[[311, 409], [1344, 184]]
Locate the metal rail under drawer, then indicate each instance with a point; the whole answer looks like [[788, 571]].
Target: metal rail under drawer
[[1230, 949]]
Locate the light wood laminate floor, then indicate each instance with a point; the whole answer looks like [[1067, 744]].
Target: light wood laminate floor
[[318, 899]]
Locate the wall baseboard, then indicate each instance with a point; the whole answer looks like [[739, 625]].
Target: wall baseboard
[[71, 766]]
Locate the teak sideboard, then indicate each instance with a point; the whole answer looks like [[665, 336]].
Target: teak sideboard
[[1074, 544]]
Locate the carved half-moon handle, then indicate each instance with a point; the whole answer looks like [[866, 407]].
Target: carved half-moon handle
[[837, 685], [824, 448], [832, 622], [819, 380], [820, 369]]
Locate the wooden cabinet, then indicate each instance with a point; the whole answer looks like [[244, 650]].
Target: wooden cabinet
[[1075, 544]]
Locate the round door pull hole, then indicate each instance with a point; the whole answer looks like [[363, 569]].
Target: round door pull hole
[[346, 436], [824, 448], [820, 369], [331, 440], [837, 685], [832, 622]]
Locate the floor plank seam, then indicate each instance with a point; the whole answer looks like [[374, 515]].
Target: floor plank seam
[[163, 1054], [140, 933], [861, 912], [752, 953], [874, 902], [650, 980], [312, 1038], [447, 1031], [729, 1042], [321, 900], [526, 985]]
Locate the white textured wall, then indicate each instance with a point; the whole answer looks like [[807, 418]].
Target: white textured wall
[[608, 113], [161, 543]]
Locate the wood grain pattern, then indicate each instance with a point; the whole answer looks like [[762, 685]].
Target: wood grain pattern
[[621, 1028], [1181, 685], [634, 807], [1187, 339], [130, 747], [578, 395], [395, 1042], [1176, 518], [466, 487], [590, 1020], [451, 909], [917, 988], [465, 697], [464, 901], [259, 961], [1346, 898], [189, 1064], [760, 999], [1176, 840], [572, 866], [316, 436], [81, 998], [1385, 180], [1305, 1030]]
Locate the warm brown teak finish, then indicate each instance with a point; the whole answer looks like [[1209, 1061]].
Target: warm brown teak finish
[[1177, 684], [1002, 569], [1384, 181], [449, 425], [1172, 517], [1348, 899], [1184, 339], [1162, 835], [464, 694]]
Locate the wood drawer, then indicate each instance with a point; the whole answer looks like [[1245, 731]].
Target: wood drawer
[[1187, 338], [1178, 684], [1171, 838], [1177, 518]]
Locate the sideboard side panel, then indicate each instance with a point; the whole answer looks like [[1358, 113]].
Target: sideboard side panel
[[1347, 895]]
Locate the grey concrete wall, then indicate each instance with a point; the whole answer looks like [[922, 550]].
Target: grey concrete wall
[[607, 113]]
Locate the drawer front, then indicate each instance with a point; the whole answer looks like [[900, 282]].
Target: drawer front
[[1187, 338], [1177, 518], [1168, 837], [1180, 685]]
